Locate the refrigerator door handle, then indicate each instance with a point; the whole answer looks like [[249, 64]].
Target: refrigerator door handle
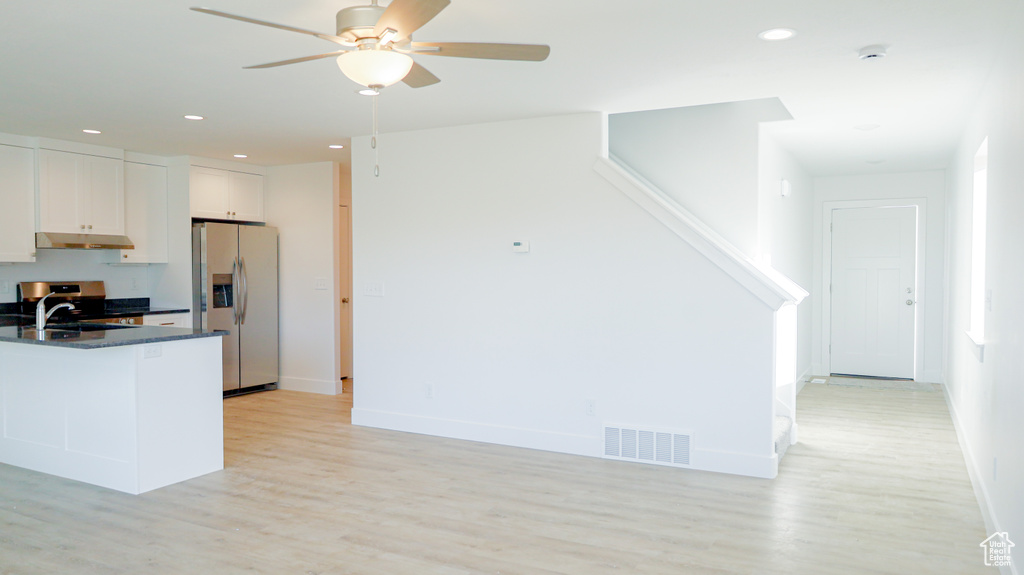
[[245, 289], [234, 289]]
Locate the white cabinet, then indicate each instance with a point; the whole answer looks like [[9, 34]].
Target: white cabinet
[[145, 208], [17, 204], [79, 193], [168, 320], [225, 195]]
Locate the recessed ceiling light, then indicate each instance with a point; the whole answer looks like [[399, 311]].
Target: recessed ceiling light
[[193, 117], [777, 34], [241, 156], [335, 146], [867, 127], [92, 131]]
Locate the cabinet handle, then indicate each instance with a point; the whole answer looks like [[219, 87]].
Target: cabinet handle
[[125, 256], [81, 227], [232, 213], [229, 213], [90, 226]]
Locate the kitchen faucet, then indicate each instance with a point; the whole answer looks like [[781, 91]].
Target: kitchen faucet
[[42, 315]]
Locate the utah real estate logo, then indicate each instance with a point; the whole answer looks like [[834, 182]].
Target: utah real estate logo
[[997, 549]]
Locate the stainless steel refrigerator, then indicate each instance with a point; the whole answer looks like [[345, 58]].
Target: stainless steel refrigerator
[[234, 282]]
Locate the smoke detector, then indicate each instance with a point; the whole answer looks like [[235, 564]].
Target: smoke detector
[[872, 52]]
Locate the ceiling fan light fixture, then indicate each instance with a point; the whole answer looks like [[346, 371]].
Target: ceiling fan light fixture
[[374, 68]]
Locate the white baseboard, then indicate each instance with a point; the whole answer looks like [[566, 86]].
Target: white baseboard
[[590, 446], [325, 387], [988, 514], [765, 467], [802, 380], [473, 431]]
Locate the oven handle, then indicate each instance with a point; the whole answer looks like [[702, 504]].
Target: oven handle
[[245, 290]]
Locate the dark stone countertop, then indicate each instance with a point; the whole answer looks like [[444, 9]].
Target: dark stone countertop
[[93, 336]]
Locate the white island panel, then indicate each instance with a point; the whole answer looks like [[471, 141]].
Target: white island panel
[[118, 417]]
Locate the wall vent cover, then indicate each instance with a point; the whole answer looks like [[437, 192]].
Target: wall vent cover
[[648, 445]]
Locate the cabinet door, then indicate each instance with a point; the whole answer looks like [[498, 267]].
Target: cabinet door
[[101, 202], [17, 204], [145, 206], [208, 193], [246, 197], [59, 182]]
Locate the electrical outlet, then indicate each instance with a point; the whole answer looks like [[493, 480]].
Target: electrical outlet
[[5, 287], [591, 407], [320, 283], [151, 351], [373, 289], [134, 284], [428, 391]]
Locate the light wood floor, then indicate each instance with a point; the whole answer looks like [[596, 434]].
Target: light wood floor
[[877, 485]]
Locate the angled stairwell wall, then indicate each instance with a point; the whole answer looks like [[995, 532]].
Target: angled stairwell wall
[[610, 317]]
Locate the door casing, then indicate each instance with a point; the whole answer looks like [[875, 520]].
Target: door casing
[[826, 272]]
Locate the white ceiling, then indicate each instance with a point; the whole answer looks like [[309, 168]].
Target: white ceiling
[[133, 68]]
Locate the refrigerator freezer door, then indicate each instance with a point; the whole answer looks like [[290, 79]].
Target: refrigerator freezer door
[[221, 255], [257, 248]]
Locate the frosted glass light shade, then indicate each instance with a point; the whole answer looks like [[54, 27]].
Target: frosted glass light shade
[[374, 67]]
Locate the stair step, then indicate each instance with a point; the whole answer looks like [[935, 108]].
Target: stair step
[[781, 435]]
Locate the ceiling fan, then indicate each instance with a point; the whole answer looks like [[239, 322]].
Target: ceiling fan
[[377, 43]]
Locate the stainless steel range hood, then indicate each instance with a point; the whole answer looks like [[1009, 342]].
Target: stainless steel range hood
[[50, 240]]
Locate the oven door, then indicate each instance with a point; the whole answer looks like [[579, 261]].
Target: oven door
[[130, 320]]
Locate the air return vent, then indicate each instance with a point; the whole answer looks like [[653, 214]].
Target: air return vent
[[646, 445]]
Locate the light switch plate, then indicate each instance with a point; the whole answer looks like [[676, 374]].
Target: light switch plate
[[320, 283], [373, 289], [151, 351], [5, 287]]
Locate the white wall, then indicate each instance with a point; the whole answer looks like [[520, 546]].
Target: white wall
[[931, 186], [785, 231], [301, 203], [86, 265], [704, 157], [172, 282], [471, 340], [987, 397]]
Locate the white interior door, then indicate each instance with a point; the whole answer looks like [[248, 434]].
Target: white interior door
[[874, 291]]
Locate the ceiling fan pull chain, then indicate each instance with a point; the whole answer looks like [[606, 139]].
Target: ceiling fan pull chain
[[373, 141]]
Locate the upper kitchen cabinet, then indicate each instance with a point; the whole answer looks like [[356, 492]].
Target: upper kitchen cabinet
[[17, 204], [80, 193], [225, 195], [145, 208]]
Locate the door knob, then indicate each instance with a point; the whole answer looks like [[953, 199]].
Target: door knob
[[344, 300]]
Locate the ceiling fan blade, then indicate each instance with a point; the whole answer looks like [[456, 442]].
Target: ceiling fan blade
[[527, 52], [328, 37], [406, 16], [419, 77], [296, 60]]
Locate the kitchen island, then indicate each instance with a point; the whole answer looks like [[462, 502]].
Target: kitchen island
[[123, 407]]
